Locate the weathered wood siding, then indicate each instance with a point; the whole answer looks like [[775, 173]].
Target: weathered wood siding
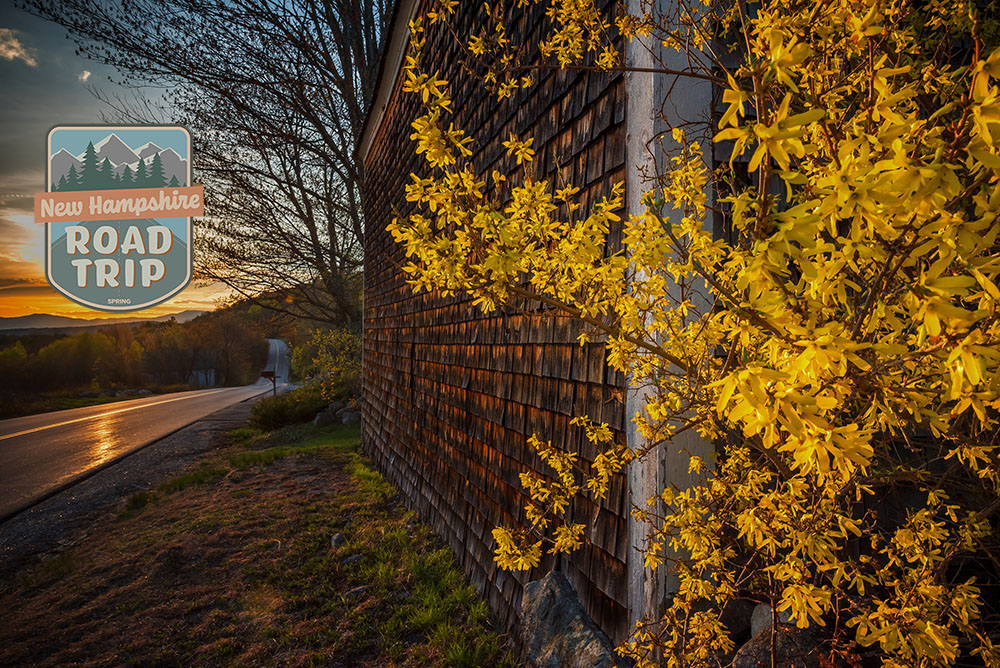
[[451, 395]]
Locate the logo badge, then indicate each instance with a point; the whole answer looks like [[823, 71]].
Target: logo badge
[[117, 214]]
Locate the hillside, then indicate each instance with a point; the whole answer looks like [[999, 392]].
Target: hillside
[[37, 321]]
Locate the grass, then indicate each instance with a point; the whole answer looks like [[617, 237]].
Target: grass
[[205, 473], [197, 477], [53, 569], [17, 405], [231, 563]]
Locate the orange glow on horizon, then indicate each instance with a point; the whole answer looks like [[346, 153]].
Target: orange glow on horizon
[[41, 298]]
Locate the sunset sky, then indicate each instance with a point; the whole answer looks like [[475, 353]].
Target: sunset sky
[[46, 84]]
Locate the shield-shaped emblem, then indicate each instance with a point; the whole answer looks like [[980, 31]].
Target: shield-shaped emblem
[[117, 214]]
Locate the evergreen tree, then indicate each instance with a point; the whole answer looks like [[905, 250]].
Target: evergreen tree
[[91, 177], [157, 179], [173, 182], [72, 179], [107, 176], [62, 185], [143, 179]]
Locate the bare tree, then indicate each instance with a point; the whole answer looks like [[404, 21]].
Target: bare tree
[[275, 93]]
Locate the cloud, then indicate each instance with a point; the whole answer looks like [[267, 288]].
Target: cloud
[[12, 233], [18, 187], [12, 49], [16, 272], [84, 75], [23, 287]]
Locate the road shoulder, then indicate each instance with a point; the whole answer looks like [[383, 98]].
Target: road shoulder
[[65, 519]]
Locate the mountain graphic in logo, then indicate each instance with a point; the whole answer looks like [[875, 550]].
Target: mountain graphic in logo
[[112, 164]]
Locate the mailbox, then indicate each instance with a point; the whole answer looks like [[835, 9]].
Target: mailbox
[[269, 374]]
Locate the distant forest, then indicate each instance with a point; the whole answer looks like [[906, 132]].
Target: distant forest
[[224, 347], [100, 175]]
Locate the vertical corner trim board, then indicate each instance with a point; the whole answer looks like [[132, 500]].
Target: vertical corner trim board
[[656, 104]]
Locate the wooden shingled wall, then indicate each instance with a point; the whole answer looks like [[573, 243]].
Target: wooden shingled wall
[[451, 395]]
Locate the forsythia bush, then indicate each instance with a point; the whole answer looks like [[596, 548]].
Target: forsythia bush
[[842, 350]]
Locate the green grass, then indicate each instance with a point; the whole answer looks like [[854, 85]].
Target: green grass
[[440, 610], [136, 502], [207, 473], [13, 407], [50, 570], [415, 604], [338, 444], [243, 435]]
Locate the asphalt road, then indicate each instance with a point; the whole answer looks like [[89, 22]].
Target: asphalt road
[[43, 453]]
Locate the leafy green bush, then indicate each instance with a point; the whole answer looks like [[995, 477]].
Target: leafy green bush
[[300, 405], [332, 361]]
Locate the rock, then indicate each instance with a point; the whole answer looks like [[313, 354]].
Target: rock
[[322, 419], [336, 406], [88, 395], [737, 617], [351, 418], [761, 618], [353, 559], [794, 648], [144, 391], [337, 540], [556, 631]]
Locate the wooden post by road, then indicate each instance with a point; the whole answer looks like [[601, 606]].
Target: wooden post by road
[[269, 373]]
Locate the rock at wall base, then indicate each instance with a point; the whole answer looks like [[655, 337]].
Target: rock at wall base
[[736, 617], [761, 618], [322, 419], [556, 631], [794, 648]]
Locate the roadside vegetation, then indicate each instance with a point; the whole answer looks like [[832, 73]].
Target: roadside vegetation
[[281, 548], [299, 405], [327, 364], [47, 371]]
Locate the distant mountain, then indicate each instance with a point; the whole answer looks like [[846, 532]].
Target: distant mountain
[[115, 150], [61, 163], [46, 321], [147, 150], [122, 157]]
